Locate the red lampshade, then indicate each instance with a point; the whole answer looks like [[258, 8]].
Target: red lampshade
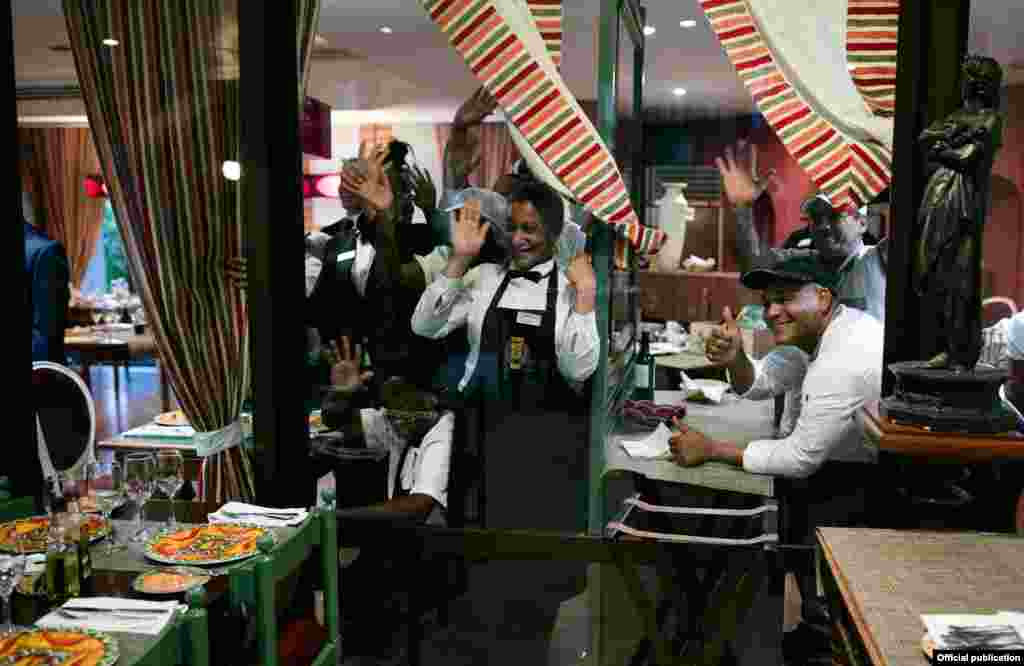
[[95, 188], [321, 185]]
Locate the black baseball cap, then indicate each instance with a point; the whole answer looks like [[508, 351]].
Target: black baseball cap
[[794, 271]]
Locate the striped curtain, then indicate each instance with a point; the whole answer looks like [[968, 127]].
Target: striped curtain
[[501, 44], [164, 110], [804, 89], [872, 33]]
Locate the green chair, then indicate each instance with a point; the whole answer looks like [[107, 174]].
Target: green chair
[[255, 584]]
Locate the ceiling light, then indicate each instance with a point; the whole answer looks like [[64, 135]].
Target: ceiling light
[[687, 23], [649, 30], [109, 41], [386, 30], [679, 92], [232, 170]]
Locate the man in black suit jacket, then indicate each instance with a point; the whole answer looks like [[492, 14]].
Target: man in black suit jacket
[[49, 292], [369, 283]]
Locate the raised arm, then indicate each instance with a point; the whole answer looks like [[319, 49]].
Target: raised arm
[[461, 154]]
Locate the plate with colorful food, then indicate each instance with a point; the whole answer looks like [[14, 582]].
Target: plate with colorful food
[[171, 580], [77, 647], [28, 535], [213, 543]]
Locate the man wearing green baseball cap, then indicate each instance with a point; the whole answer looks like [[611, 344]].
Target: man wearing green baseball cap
[[829, 356], [844, 347]]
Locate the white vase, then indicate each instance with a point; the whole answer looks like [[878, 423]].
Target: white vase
[[673, 214]]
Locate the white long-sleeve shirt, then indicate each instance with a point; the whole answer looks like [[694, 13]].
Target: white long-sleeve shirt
[[448, 304], [426, 467], [844, 373]]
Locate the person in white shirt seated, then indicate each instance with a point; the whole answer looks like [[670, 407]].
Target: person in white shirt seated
[[416, 431], [826, 457], [844, 346]]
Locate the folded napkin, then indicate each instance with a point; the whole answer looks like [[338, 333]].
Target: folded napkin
[[713, 390], [655, 446], [240, 512], [122, 620], [157, 431]]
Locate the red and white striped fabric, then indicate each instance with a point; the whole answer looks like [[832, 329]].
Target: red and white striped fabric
[[547, 16], [500, 43], [850, 163], [871, 35]]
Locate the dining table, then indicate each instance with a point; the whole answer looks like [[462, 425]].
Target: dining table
[[114, 573], [116, 345], [879, 582]]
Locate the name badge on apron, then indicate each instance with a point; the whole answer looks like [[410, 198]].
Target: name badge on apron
[[529, 318], [516, 352]]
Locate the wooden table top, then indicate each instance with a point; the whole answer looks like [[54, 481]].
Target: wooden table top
[[135, 343], [888, 578], [952, 447]]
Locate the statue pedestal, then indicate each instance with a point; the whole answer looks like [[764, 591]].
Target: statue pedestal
[[947, 400]]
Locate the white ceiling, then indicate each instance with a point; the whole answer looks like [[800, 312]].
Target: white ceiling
[[413, 73]]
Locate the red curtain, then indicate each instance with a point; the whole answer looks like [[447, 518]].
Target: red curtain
[[56, 161]]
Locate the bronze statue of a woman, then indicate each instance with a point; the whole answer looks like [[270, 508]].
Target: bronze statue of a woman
[[947, 265]]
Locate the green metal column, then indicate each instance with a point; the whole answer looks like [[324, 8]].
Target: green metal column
[[602, 246]]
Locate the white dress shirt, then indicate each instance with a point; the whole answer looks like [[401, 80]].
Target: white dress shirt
[[362, 264], [425, 471], [844, 373], [448, 304]]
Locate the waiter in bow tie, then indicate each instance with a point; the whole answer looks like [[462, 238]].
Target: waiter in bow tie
[[534, 342]]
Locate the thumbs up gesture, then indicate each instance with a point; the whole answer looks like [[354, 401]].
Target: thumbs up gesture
[[725, 341]]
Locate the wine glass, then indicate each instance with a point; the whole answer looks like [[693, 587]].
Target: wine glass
[[139, 474], [106, 486], [170, 477], [12, 568]]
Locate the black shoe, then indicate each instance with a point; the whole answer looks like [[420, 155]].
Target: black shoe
[[807, 644]]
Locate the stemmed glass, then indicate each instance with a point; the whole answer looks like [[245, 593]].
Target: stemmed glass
[[170, 477], [139, 475], [106, 488], [12, 568]]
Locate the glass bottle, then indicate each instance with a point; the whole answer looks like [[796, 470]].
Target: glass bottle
[[81, 539], [643, 377]]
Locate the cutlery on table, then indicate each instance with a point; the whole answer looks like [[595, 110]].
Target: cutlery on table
[[101, 609], [275, 516]]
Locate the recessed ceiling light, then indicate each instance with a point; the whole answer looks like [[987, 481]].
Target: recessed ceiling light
[[109, 41], [679, 92], [649, 30], [386, 30], [687, 23]]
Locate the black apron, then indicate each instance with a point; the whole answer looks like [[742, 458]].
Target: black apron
[[534, 463], [534, 423]]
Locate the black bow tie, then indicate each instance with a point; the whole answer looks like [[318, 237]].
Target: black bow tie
[[534, 276]]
